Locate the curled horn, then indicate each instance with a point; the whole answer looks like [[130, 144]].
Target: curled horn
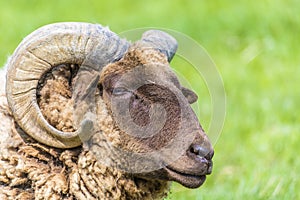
[[167, 45], [42, 50], [160, 41]]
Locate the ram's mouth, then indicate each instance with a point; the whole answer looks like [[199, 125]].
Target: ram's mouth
[[186, 179]]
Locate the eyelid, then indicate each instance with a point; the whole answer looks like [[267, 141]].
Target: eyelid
[[118, 91]]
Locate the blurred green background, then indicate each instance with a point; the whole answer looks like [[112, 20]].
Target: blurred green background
[[255, 45]]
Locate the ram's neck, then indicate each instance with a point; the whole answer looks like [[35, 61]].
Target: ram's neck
[[31, 170], [97, 180]]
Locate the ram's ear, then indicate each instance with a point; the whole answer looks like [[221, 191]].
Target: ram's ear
[[189, 94]]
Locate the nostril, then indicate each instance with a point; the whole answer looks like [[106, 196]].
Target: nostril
[[209, 155], [199, 150]]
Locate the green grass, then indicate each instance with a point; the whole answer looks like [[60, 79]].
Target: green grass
[[256, 46]]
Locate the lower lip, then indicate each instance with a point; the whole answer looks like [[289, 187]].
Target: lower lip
[[183, 174], [197, 180]]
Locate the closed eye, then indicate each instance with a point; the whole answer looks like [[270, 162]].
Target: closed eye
[[121, 91]]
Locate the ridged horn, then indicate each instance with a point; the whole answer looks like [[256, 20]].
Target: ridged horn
[[47, 47], [160, 41]]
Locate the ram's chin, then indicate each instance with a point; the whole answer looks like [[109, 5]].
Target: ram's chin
[[187, 180]]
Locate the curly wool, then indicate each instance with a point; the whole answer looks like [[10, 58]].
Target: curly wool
[[29, 170]]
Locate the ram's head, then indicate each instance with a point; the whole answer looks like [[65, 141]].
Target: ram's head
[[70, 84]]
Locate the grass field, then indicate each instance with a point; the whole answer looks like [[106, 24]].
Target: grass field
[[256, 46]]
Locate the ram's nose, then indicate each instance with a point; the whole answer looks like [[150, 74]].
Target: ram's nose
[[202, 151], [203, 155]]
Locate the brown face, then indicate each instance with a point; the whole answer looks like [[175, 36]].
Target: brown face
[[194, 162]]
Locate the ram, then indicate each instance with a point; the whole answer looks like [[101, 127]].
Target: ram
[[87, 115]]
